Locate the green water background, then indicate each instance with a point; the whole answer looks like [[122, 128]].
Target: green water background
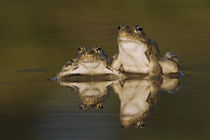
[[38, 37]]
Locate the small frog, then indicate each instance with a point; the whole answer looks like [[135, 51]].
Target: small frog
[[88, 62]]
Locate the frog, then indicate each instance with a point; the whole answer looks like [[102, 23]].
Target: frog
[[89, 62], [140, 54]]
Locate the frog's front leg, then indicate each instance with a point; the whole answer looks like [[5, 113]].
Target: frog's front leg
[[116, 63], [111, 70], [67, 72]]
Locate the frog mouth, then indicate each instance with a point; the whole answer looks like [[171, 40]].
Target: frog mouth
[[90, 64], [132, 45], [125, 39]]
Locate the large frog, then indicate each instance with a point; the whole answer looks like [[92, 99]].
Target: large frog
[[88, 62], [140, 54]]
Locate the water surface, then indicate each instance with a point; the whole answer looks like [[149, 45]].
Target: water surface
[[38, 37]]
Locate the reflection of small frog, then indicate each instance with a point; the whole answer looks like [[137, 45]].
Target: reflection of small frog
[[136, 51], [89, 62], [92, 94]]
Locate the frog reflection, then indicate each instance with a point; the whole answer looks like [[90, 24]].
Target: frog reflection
[[92, 94], [139, 96]]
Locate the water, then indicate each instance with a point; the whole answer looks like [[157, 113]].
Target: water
[[38, 37]]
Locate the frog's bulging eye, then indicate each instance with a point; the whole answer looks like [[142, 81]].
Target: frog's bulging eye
[[141, 124], [83, 107], [81, 49], [98, 50], [99, 107], [122, 26], [139, 28]]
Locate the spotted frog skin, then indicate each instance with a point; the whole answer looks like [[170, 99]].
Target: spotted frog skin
[[88, 62], [140, 54]]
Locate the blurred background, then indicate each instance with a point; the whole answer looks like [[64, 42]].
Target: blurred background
[[38, 37]]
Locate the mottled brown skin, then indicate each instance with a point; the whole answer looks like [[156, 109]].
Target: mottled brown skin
[[137, 33], [88, 62], [140, 54]]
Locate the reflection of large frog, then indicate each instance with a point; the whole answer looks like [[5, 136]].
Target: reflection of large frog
[[92, 94], [140, 54], [89, 62], [139, 96]]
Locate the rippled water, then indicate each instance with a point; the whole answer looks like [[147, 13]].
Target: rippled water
[[38, 37]]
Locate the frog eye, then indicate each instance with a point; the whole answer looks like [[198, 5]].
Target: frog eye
[[138, 28], [98, 50], [81, 49], [83, 107], [141, 124], [122, 26], [99, 107]]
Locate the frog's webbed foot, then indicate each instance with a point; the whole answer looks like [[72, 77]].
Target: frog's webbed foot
[[115, 72]]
